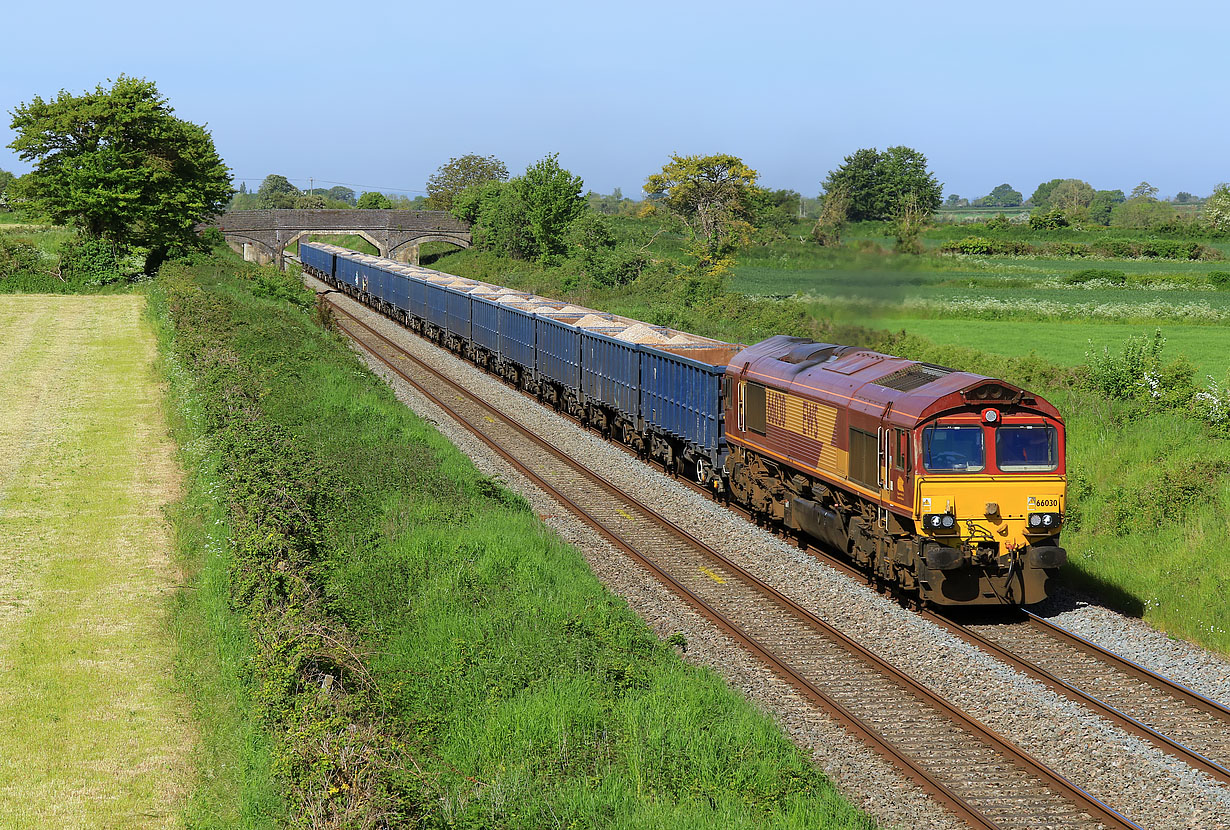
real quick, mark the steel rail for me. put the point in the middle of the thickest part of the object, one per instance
(1074, 793)
(1170, 687)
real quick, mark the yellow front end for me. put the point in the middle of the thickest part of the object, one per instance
(991, 553)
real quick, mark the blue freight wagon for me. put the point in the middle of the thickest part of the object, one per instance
(418, 297)
(681, 394)
(559, 352)
(611, 373)
(398, 288)
(518, 341)
(316, 258)
(347, 270)
(485, 322)
(371, 276)
(437, 305)
(457, 309)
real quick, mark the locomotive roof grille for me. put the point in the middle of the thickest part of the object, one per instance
(912, 377)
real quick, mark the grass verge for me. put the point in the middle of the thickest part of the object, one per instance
(422, 650)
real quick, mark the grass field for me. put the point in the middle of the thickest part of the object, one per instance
(1005, 305)
(1068, 342)
(93, 730)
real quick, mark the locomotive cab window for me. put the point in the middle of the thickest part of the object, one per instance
(952, 449)
(754, 407)
(1028, 448)
(901, 454)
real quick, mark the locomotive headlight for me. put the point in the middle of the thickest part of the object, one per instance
(939, 522)
(1044, 522)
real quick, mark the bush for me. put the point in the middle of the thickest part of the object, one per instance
(17, 259)
(981, 246)
(1048, 220)
(1138, 374)
(1091, 274)
(85, 261)
(1220, 278)
(999, 222)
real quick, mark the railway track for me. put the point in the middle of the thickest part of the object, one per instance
(976, 773)
(1175, 719)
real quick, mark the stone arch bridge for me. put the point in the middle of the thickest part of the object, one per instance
(262, 235)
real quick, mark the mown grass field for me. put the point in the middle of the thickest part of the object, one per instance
(94, 731)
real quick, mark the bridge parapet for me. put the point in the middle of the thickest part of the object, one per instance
(264, 234)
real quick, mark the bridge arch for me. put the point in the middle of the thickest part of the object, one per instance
(340, 232)
(408, 251)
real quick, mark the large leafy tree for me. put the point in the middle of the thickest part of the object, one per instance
(877, 183)
(374, 200)
(276, 193)
(528, 217)
(707, 193)
(118, 164)
(458, 174)
(1071, 194)
(1002, 196)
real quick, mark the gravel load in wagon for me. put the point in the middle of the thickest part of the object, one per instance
(592, 320)
(644, 334)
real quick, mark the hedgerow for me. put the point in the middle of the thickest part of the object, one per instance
(1103, 248)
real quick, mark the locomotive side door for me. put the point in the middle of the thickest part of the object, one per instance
(886, 472)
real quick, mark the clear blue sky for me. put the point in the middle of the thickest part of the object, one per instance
(381, 94)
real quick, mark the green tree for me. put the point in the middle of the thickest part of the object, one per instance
(458, 174)
(6, 180)
(1216, 213)
(402, 202)
(1071, 194)
(1103, 203)
(877, 182)
(340, 194)
(1184, 198)
(276, 193)
(527, 217)
(1002, 196)
(952, 201)
(118, 164)
(374, 200)
(1144, 190)
(1141, 212)
(910, 217)
(706, 193)
(834, 216)
(1042, 195)
(310, 201)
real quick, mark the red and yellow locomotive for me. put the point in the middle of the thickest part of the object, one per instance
(948, 484)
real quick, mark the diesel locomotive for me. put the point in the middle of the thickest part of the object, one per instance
(946, 484)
